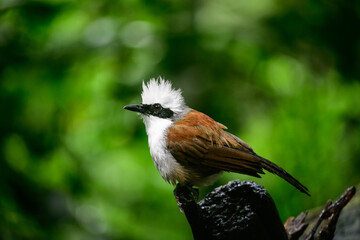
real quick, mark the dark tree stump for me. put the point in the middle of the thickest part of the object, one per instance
(244, 210)
(237, 210)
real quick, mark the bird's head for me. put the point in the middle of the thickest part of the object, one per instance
(160, 100)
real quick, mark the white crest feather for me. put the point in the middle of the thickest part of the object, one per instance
(161, 91)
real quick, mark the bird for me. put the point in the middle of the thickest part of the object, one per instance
(192, 149)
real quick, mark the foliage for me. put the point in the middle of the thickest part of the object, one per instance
(282, 75)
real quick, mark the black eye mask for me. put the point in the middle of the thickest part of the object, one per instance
(158, 111)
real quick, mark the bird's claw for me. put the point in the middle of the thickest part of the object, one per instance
(185, 194)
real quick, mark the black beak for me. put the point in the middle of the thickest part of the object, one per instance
(140, 108)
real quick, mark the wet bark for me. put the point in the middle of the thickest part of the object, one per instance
(245, 210)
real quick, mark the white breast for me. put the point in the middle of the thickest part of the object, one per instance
(156, 129)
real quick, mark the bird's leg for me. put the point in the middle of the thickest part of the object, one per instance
(185, 194)
(194, 191)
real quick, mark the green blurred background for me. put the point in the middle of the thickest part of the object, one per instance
(282, 75)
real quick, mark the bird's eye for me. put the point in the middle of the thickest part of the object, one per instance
(157, 107)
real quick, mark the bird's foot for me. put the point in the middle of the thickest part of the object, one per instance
(185, 195)
(195, 192)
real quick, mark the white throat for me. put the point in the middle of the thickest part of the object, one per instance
(156, 129)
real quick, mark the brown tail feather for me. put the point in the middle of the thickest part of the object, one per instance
(273, 168)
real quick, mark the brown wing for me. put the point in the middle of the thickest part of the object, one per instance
(199, 142)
